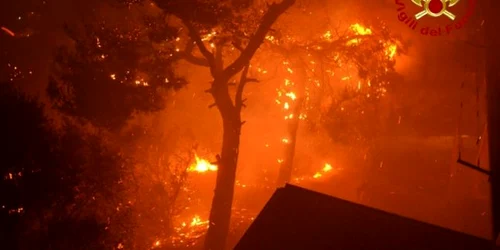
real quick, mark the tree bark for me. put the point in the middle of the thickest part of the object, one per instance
(220, 213)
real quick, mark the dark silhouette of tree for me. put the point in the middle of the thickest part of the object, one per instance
(25, 145)
(51, 196)
(113, 69)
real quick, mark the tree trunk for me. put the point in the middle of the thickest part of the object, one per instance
(300, 78)
(286, 167)
(220, 213)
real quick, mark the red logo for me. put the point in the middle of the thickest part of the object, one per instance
(435, 17)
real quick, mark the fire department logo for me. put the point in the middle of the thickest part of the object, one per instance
(454, 16)
(435, 8)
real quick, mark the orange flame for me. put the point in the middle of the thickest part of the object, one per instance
(202, 166)
(327, 168)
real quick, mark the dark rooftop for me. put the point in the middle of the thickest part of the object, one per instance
(297, 218)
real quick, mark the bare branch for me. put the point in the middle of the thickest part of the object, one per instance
(272, 14)
(187, 55)
(193, 33)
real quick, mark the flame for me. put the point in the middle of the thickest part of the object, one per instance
(360, 30)
(317, 175)
(201, 166)
(291, 95)
(391, 50)
(328, 36)
(326, 169)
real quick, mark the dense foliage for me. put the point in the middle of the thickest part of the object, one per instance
(113, 67)
(59, 187)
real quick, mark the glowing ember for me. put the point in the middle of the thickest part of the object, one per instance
(327, 167)
(317, 175)
(328, 36)
(291, 95)
(202, 166)
(190, 231)
(157, 243)
(8, 31)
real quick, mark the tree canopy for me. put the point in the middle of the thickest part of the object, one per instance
(113, 67)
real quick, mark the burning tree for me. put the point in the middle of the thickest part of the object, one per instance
(113, 69)
(107, 74)
(329, 80)
(213, 27)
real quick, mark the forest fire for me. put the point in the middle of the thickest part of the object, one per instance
(182, 115)
(293, 97)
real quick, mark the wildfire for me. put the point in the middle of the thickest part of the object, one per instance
(202, 166)
(192, 229)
